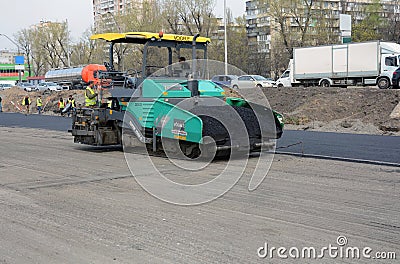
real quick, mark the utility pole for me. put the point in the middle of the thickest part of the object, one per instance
(226, 41)
(68, 55)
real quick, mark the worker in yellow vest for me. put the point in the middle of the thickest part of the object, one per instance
(39, 104)
(61, 106)
(72, 105)
(26, 102)
(90, 95)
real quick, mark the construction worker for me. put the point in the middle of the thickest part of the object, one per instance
(90, 95)
(183, 63)
(61, 106)
(39, 104)
(71, 102)
(27, 102)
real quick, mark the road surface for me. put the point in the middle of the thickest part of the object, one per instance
(350, 146)
(65, 203)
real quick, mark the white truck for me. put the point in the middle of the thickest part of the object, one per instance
(364, 63)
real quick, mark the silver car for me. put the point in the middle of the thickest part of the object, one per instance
(27, 86)
(4, 86)
(224, 80)
(48, 86)
(252, 81)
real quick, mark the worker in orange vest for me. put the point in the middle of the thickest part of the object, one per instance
(61, 106)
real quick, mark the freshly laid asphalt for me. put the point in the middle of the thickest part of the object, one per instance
(347, 146)
(57, 123)
(342, 145)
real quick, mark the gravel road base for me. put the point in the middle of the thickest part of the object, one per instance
(67, 203)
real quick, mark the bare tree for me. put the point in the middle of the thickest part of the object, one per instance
(87, 51)
(189, 16)
(23, 38)
(391, 30)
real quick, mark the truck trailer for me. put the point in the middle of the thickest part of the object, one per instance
(361, 64)
(76, 77)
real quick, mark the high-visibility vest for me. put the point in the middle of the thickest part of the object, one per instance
(23, 101)
(39, 102)
(61, 104)
(88, 101)
(72, 102)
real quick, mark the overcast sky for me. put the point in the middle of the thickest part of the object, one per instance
(17, 15)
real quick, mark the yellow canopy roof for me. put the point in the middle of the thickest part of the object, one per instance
(142, 37)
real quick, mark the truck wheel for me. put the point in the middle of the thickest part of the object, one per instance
(383, 83)
(325, 83)
(280, 85)
(235, 87)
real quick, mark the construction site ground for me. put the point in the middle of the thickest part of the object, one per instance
(63, 202)
(347, 110)
(66, 203)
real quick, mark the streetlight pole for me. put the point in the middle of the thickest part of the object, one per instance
(226, 42)
(68, 55)
(19, 70)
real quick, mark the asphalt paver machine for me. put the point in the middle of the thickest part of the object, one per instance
(173, 107)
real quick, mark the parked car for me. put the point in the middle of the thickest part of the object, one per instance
(4, 86)
(396, 79)
(251, 81)
(224, 80)
(50, 86)
(26, 86)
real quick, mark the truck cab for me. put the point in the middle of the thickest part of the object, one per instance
(287, 78)
(389, 64)
(284, 80)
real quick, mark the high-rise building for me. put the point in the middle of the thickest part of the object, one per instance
(104, 11)
(262, 27)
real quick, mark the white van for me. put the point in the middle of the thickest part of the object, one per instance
(284, 80)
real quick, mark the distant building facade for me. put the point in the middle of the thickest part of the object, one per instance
(7, 57)
(104, 11)
(261, 27)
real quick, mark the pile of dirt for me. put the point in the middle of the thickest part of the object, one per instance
(12, 99)
(360, 110)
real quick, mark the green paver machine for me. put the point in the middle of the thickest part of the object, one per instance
(175, 104)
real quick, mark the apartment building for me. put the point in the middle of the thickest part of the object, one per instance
(8, 57)
(262, 26)
(104, 12)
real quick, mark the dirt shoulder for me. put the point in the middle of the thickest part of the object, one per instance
(351, 110)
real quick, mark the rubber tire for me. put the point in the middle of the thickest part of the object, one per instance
(280, 85)
(383, 83)
(259, 86)
(235, 87)
(325, 83)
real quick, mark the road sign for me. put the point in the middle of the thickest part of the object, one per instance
(19, 59)
(346, 40)
(20, 67)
